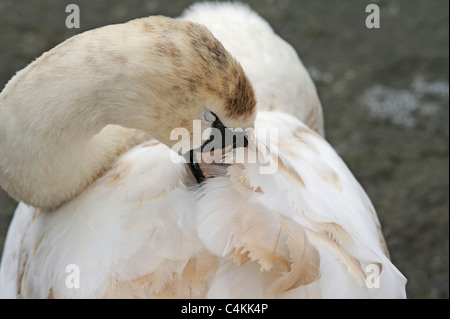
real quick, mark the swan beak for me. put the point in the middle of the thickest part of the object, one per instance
(195, 167)
(194, 157)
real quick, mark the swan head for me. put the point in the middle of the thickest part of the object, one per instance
(199, 84)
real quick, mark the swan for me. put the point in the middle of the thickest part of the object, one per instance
(84, 138)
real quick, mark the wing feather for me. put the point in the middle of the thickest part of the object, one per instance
(329, 203)
(311, 206)
(137, 219)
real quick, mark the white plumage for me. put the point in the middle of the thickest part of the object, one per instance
(143, 230)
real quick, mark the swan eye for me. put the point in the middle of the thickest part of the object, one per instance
(209, 117)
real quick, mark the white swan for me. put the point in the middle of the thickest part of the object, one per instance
(135, 224)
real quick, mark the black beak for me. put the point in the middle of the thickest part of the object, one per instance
(219, 139)
(222, 136)
(195, 168)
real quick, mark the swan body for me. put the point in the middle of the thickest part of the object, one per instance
(143, 229)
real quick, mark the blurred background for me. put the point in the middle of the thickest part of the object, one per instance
(384, 92)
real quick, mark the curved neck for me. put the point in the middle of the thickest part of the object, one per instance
(53, 113)
(152, 75)
(48, 155)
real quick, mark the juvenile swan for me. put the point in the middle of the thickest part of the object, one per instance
(113, 216)
(153, 74)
